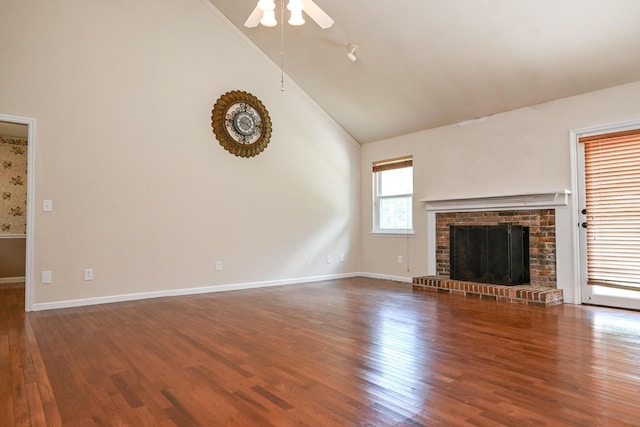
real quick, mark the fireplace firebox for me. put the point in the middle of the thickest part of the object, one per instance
(496, 254)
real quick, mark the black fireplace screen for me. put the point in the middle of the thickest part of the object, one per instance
(497, 254)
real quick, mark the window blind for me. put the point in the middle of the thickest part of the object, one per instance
(397, 163)
(612, 186)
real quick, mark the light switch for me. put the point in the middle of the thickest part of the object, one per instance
(46, 277)
(47, 205)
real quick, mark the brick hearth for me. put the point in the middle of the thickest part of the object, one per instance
(522, 294)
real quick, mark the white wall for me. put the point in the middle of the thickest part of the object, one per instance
(142, 192)
(517, 152)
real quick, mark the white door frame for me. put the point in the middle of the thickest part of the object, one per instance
(31, 163)
(577, 188)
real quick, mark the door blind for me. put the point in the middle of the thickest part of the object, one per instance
(612, 185)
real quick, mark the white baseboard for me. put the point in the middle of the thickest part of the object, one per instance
(387, 277)
(181, 292)
(12, 280)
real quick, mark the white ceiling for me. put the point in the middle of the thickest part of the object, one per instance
(428, 63)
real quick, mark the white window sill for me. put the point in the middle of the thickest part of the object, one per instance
(392, 233)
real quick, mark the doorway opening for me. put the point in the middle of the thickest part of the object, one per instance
(607, 177)
(17, 155)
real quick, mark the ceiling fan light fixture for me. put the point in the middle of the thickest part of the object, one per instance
(352, 52)
(269, 18)
(267, 5)
(296, 18)
(295, 5)
(264, 13)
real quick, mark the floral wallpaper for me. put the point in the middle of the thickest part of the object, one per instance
(13, 185)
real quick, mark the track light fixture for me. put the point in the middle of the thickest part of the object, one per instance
(353, 49)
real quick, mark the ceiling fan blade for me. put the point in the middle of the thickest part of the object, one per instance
(254, 19)
(317, 14)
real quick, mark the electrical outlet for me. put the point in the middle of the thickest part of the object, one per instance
(400, 259)
(88, 274)
(329, 259)
(218, 265)
(341, 257)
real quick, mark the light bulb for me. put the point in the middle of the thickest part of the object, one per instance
(296, 18)
(269, 18)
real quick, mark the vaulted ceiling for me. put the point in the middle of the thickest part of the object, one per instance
(427, 63)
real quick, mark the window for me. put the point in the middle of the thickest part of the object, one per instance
(393, 196)
(612, 187)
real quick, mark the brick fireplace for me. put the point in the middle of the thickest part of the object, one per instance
(536, 211)
(542, 238)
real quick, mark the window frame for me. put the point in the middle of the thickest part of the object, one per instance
(377, 169)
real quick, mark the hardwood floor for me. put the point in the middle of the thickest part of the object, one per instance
(26, 398)
(351, 352)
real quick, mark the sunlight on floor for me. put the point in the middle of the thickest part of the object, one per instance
(615, 292)
(399, 358)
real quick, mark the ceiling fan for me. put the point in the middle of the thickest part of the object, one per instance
(264, 14)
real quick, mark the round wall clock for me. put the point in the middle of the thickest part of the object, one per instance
(241, 123)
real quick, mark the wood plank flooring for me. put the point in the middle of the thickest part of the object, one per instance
(26, 397)
(350, 352)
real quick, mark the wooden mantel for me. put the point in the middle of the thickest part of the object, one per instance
(521, 201)
(541, 199)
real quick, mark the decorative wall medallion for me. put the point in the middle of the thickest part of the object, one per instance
(241, 123)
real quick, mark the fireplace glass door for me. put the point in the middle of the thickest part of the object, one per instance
(496, 254)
